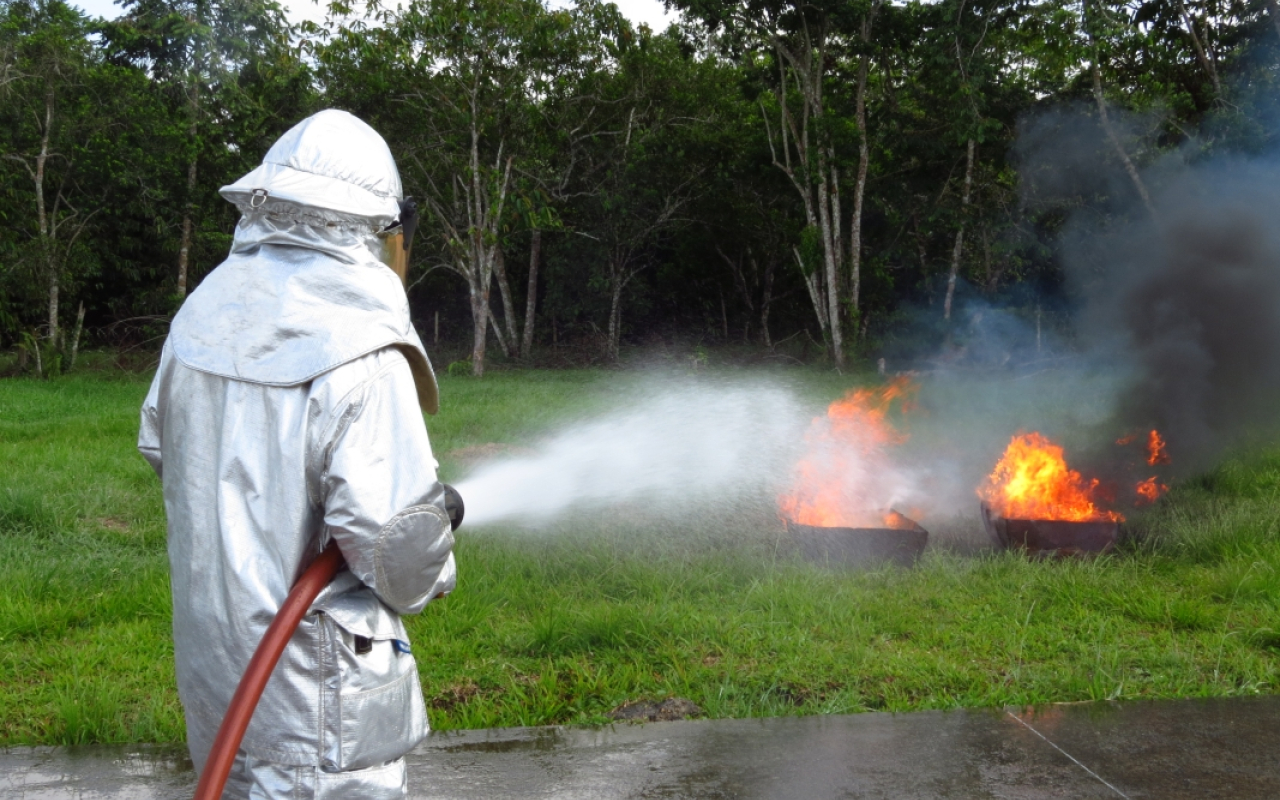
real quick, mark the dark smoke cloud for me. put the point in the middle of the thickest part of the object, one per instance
(1189, 303)
(1176, 320)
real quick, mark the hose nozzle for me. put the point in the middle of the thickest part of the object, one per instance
(453, 506)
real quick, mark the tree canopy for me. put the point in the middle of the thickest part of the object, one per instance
(844, 175)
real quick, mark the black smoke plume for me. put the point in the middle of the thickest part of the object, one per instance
(1188, 302)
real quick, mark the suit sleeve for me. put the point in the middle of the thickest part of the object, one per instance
(382, 502)
(151, 424)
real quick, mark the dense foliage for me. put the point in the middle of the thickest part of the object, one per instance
(842, 173)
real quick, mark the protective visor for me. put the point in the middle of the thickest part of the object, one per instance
(397, 239)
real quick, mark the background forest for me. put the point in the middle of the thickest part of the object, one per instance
(835, 179)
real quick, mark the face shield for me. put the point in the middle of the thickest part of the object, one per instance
(397, 239)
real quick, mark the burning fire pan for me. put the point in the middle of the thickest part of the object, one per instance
(1051, 538)
(860, 547)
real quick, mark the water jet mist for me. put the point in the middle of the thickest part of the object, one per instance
(679, 450)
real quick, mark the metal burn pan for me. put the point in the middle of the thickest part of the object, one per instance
(860, 548)
(1049, 538)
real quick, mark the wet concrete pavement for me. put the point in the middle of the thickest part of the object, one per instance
(1180, 749)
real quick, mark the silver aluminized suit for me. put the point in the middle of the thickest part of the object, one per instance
(286, 412)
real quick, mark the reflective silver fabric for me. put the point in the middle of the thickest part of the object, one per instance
(286, 412)
(331, 160)
(294, 300)
(263, 780)
(257, 479)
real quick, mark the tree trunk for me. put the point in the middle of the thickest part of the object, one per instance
(923, 254)
(188, 213)
(477, 268)
(1201, 54)
(830, 269)
(508, 342)
(615, 317)
(497, 331)
(479, 327)
(480, 259)
(859, 190)
(74, 349)
(724, 316)
(864, 158)
(814, 174)
(994, 271)
(952, 273)
(959, 246)
(812, 283)
(765, 300)
(52, 270)
(531, 296)
(184, 249)
(1115, 140)
(43, 223)
(744, 291)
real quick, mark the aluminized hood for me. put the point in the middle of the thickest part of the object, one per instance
(331, 160)
(292, 301)
(305, 288)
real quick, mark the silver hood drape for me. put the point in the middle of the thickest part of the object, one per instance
(294, 300)
(286, 412)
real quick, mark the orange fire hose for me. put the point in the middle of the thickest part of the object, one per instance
(223, 753)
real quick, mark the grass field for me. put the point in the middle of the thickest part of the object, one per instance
(566, 624)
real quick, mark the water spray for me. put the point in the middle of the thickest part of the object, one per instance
(678, 450)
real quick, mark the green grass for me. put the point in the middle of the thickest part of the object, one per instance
(564, 624)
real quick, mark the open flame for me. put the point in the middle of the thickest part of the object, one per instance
(1149, 490)
(1156, 452)
(844, 479)
(1032, 481)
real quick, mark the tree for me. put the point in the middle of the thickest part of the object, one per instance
(197, 52)
(751, 216)
(49, 114)
(642, 167)
(568, 114)
(452, 79)
(803, 43)
(977, 31)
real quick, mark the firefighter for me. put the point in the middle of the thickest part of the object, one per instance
(287, 413)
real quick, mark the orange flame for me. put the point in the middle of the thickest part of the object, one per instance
(1156, 449)
(1150, 490)
(1032, 481)
(839, 482)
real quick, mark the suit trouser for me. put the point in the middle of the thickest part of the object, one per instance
(254, 779)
